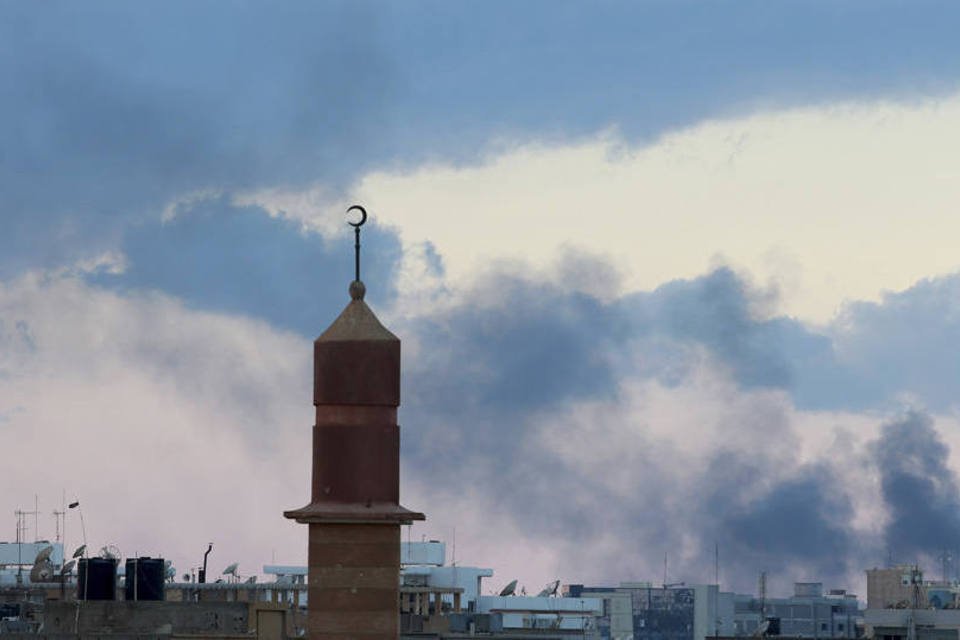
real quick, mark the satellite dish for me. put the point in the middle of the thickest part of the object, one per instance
(762, 629)
(186, 577)
(550, 590)
(44, 555)
(110, 552)
(231, 570)
(171, 573)
(510, 589)
(80, 551)
(41, 572)
(67, 568)
(252, 580)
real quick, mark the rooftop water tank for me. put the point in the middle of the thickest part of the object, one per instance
(97, 579)
(144, 579)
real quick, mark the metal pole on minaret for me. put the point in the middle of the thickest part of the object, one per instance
(354, 514)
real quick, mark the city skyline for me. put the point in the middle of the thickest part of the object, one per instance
(667, 275)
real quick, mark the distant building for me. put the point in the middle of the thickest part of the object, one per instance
(901, 605)
(807, 614)
(640, 611)
(900, 586)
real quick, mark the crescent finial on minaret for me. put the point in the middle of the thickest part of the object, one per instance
(357, 288)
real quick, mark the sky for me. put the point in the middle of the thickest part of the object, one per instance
(671, 277)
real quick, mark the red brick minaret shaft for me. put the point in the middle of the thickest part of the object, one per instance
(354, 512)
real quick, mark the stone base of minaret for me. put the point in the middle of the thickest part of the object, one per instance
(353, 587)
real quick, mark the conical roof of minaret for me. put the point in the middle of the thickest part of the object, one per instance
(356, 322)
(357, 359)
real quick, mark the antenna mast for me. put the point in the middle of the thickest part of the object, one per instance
(762, 588)
(716, 578)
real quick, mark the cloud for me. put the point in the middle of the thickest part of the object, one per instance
(538, 421)
(155, 417)
(110, 115)
(906, 344)
(790, 196)
(217, 256)
(587, 361)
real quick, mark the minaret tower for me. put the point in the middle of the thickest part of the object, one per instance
(354, 513)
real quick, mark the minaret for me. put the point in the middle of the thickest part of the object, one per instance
(354, 513)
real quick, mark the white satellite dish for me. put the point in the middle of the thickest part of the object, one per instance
(510, 589)
(44, 555)
(231, 569)
(67, 568)
(80, 551)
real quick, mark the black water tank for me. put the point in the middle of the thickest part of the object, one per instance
(97, 579)
(144, 579)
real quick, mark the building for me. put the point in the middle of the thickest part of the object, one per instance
(424, 571)
(900, 586)
(641, 611)
(807, 614)
(901, 605)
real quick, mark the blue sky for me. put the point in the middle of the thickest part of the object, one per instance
(684, 236)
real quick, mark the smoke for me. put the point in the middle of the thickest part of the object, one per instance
(562, 434)
(920, 490)
(657, 424)
(660, 423)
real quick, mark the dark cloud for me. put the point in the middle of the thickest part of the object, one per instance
(919, 489)
(906, 344)
(715, 311)
(221, 257)
(110, 110)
